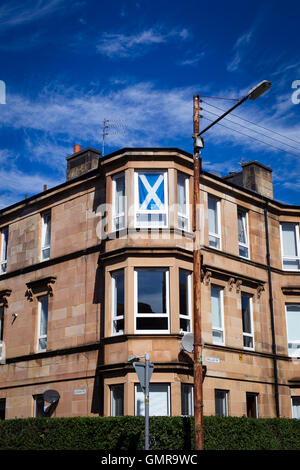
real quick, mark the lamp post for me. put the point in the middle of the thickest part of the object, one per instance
(253, 94)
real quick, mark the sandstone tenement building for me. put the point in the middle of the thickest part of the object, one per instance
(100, 267)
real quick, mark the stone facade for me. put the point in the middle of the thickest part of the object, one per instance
(83, 358)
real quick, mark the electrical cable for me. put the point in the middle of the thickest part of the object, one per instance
(250, 122)
(250, 137)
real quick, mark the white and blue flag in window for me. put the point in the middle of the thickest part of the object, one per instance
(151, 199)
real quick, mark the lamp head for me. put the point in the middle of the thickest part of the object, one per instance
(259, 90)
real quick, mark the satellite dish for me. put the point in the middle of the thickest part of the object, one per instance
(188, 342)
(51, 396)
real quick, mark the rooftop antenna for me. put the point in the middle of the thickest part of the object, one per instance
(111, 127)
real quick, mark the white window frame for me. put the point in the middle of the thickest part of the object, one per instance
(212, 234)
(116, 216)
(189, 300)
(245, 245)
(249, 335)
(136, 201)
(39, 336)
(115, 317)
(185, 217)
(4, 246)
(44, 229)
(222, 329)
(293, 406)
(136, 385)
(112, 413)
(287, 330)
(148, 315)
(290, 258)
(226, 401)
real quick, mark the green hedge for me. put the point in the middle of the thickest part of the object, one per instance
(166, 433)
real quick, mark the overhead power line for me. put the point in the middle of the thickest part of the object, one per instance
(255, 124)
(254, 130)
(253, 138)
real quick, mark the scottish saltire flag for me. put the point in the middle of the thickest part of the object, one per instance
(151, 191)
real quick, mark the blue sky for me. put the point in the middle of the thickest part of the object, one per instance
(67, 65)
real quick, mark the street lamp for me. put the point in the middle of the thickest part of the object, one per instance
(253, 94)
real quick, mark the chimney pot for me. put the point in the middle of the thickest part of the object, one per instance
(77, 148)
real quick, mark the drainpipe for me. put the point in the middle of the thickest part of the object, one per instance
(271, 311)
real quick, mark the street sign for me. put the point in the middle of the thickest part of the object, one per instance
(140, 370)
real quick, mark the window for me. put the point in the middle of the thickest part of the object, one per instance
(4, 245)
(214, 226)
(117, 400)
(151, 199)
(118, 201)
(247, 317)
(217, 311)
(183, 201)
(290, 246)
(293, 329)
(38, 411)
(2, 408)
(42, 322)
(46, 235)
(243, 233)
(1, 330)
(185, 300)
(159, 400)
(118, 302)
(296, 407)
(251, 402)
(152, 300)
(187, 400)
(221, 402)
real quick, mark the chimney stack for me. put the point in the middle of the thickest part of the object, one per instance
(254, 176)
(82, 161)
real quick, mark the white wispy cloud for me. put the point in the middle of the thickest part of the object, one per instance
(122, 45)
(192, 60)
(239, 49)
(16, 13)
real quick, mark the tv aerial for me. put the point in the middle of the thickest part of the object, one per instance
(111, 127)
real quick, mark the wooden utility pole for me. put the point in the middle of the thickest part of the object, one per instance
(198, 372)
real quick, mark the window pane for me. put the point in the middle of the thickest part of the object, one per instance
(213, 215)
(246, 315)
(181, 193)
(216, 307)
(46, 231)
(152, 291)
(183, 292)
(293, 321)
(291, 264)
(43, 315)
(158, 400)
(117, 400)
(151, 323)
(243, 251)
(2, 408)
(296, 407)
(4, 243)
(242, 227)
(221, 402)
(187, 402)
(214, 241)
(248, 342)
(217, 336)
(151, 191)
(1, 322)
(251, 402)
(118, 293)
(289, 241)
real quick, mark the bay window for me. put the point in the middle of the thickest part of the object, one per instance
(159, 400)
(151, 199)
(183, 200)
(118, 302)
(290, 246)
(118, 201)
(185, 300)
(214, 226)
(152, 300)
